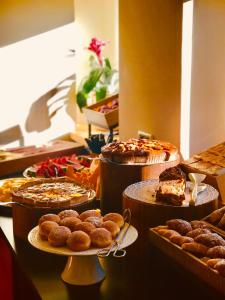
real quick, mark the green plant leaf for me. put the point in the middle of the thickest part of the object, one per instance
(107, 63)
(92, 80)
(81, 100)
(101, 92)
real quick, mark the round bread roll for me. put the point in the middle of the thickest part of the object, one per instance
(115, 217)
(111, 227)
(100, 237)
(58, 236)
(70, 222)
(87, 227)
(68, 213)
(79, 241)
(96, 221)
(49, 217)
(90, 213)
(45, 228)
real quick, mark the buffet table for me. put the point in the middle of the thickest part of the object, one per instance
(152, 276)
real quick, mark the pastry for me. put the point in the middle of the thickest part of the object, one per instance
(179, 225)
(45, 228)
(180, 240)
(111, 227)
(212, 262)
(216, 252)
(58, 236)
(172, 184)
(115, 217)
(85, 226)
(220, 267)
(195, 248)
(194, 233)
(210, 239)
(70, 222)
(96, 221)
(168, 233)
(221, 223)
(215, 216)
(68, 213)
(100, 237)
(139, 151)
(198, 224)
(78, 241)
(90, 213)
(49, 217)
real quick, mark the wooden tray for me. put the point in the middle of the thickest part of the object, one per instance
(58, 148)
(188, 261)
(104, 120)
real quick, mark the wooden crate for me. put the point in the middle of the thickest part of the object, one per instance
(104, 120)
(188, 261)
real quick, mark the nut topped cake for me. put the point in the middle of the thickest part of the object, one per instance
(140, 151)
(172, 184)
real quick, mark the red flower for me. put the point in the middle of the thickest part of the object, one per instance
(96, 46)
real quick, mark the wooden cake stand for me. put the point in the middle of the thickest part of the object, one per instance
(82, 268)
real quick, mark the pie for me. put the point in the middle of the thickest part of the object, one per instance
(58, 192)
(139, 151)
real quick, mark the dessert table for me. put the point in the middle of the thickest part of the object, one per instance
(152, 276)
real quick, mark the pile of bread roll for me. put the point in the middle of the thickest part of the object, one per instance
(80, 231)
(197, 238)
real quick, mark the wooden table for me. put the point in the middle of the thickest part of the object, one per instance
(152, 276)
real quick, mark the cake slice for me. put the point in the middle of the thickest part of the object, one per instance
(172, 184)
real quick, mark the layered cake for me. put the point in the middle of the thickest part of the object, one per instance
(140, 151)
(50, 193)
(172, 184)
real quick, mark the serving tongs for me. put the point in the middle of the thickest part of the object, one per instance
(118, 252)
(196, 179)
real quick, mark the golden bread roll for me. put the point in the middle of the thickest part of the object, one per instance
(215, 216)
(195, 248)
(49, 217)
(168, 233)
(180, 240)
(194, 233)
(96, 221)
(100, 237)
(68, 213)
(90, 213)
(79, 241)
(221, 223)
(210, 239)
(58, 236)
(70, 222)
(45, 228)
(111, 227)
(212, 262)
(199, 224)
(87, 227)
(179, 225)
(220, 267)
(115, 217)
(216, 252)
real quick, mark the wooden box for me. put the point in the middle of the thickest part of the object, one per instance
(104, 120)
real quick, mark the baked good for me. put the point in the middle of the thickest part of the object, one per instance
(115, 217)
(172, 184)
(96, 221)
(221, 223)
(111, 227)
(212, 262)
(78, 241)
(179, 225)
(220, 267)
(85, 226)
(210, 239)
(68, 213)
(216, 252)
(199, 224)
(168, 233)
(70, 222)
(45, 228)
(195, 248)
(53, 192)
(139, 151)
(90, 213)
(194, 233)
(215, 216)
(100, 237)
(49, 217)
(58, 236)
(180, 240)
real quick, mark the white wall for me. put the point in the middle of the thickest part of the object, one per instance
(208, 75)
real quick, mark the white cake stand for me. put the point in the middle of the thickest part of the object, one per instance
(82, 268)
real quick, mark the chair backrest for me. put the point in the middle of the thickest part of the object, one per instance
(10, 135)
